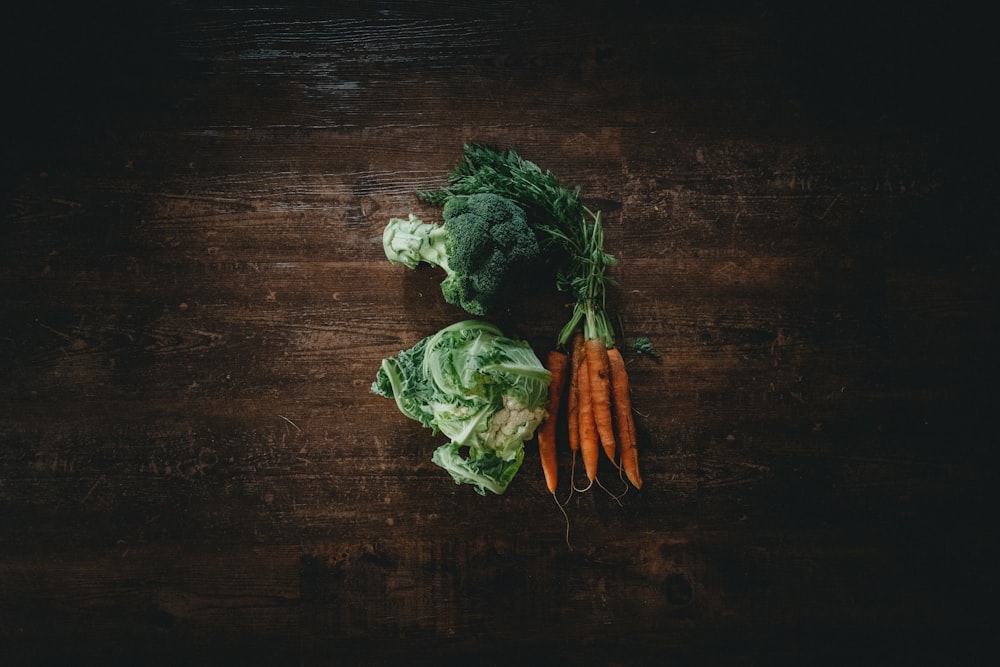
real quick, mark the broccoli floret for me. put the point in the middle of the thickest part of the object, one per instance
(483, 245)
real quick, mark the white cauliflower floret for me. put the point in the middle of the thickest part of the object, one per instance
(513, 424)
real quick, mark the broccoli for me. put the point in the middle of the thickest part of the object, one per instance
(484, 245)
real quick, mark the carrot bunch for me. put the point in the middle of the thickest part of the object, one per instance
(590, 376)
(590, 380)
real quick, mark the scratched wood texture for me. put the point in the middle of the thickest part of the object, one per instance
(195, 302)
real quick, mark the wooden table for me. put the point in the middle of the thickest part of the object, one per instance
(195, 302)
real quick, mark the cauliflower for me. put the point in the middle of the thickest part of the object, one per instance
(485, 392)
(514, 421)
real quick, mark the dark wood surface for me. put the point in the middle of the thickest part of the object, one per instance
(195, 302)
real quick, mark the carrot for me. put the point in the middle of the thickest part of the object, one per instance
(600, 392)
(589, 441)
(625, 424)
(558, 365)
(573, 400)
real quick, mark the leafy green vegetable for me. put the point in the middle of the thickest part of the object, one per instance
(485, 246)
(569, 233)
(552, 209)
(487, 393)
(644, 346)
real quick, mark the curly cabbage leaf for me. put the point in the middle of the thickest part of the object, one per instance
(487, 393)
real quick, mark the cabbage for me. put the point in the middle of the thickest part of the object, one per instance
(487, 393)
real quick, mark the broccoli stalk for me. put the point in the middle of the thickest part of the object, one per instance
(412, 241)
(484, 245)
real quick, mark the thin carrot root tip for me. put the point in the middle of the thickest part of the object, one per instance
(565, 518)
(616, 498)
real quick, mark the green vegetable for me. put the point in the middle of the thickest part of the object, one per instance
(644, 346)
(487, 393)
(571, 234)
(551, 208)
(485, 247)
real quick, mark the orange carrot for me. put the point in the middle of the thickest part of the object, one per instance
(625, 424)
(600, 392)
(589, 441)
(573, 400)
(558, 365)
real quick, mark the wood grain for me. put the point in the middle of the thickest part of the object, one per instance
(195, 303)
